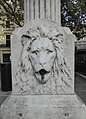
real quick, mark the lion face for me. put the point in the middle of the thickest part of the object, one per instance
(42, 57)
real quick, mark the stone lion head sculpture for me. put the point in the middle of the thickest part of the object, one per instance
(42, 66)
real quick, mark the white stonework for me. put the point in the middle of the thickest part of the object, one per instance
(40, 66)
(35, 9)
(43, 107)
(42, 80)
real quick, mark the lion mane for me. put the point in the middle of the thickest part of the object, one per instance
(60, 82)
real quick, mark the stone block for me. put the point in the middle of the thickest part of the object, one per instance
(43, 107)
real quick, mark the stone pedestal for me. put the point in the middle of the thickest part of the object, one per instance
(43, 107)
(56, 98)
(42, 67)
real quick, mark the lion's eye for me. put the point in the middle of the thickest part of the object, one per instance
(28, 49)
(49, 51)
(35, 52)
(33, 38)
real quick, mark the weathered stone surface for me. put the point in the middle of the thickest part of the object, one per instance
(36, 9)
(69, 49)
(42, 67)
(43, 83)
(37, 94)
(43, 107)
(42, 46)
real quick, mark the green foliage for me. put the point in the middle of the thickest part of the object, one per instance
(74, 16)
(13, 10)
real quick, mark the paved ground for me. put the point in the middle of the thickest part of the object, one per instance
(80, 88)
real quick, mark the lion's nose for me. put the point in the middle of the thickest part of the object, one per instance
(42, 63)
(42, 59)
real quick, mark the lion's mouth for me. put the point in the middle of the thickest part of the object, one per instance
(43, 75)
(42, 72)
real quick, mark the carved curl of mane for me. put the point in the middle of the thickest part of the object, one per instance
(60, 82)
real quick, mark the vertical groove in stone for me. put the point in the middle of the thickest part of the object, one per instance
(55, 10)
(29, 10)
(58, 15)
(36, 9)
(48, 9)
(59, 11)
(25, 11)
(32, 11)
(41, 8)
(44, 8)
(52, 10)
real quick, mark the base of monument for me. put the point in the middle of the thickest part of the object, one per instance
(43, 107)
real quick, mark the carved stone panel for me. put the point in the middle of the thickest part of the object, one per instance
(41, 65)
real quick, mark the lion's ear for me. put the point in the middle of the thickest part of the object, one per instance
(60, 37)
(24, 39)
